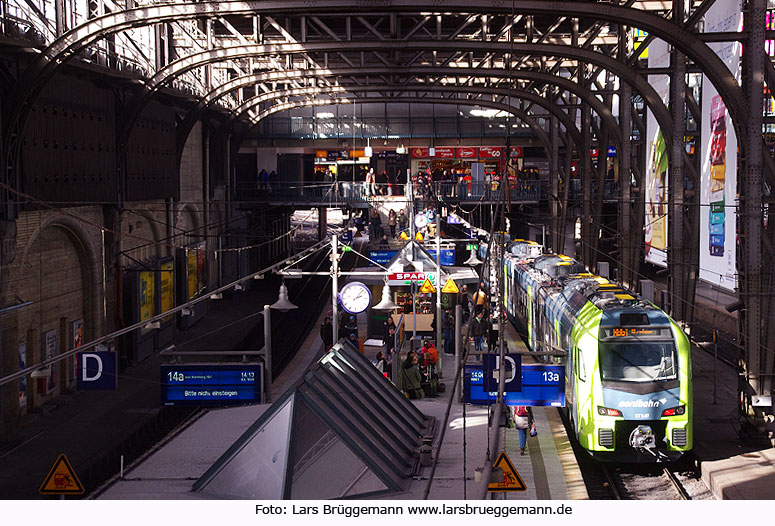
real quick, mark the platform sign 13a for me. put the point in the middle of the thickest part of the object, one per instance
(513, 372)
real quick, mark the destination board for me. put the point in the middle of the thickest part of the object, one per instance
(542, 385)
(210, 384)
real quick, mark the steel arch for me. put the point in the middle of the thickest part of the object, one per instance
(588, 96)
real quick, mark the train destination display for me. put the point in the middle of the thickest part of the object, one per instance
(210, 384)
(542, 385)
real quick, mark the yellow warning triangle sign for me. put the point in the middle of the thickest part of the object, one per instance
(427, 287)
(404, 236)
(450, 287)
(511, 479)
(418, 236)
(61, 480)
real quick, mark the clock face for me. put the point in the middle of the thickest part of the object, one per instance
(355, 297)
(420, 221)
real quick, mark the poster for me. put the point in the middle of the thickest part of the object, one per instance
(23, 380)
(146, 296)
(192, 264)
(655, 226)
(166, 288)
(49, 351)
(718, 178)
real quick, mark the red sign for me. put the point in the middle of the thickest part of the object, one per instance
(490, 152)
(400, 278)
(419, 153)
(445, 152)
(593, 152)
(466, 153)
(516, 151)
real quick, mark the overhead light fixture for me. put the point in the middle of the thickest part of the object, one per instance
(324, 115)
(472, 260)
(386, 303)
(401, 149)
(217, 296)
(152, 325)
(283, 303)
(239, 286)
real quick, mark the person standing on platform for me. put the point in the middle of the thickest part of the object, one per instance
(465, 302)
(523, 418)
(326, 333)
(392, 220)
(492, 333)
(479, 331)
(447, 330)
(411, 379)
(480, 299)
(402, 220)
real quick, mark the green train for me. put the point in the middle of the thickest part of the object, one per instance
(628, 366)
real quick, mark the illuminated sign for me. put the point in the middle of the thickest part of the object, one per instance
(542, 385)
(624, 332)
(210, 384)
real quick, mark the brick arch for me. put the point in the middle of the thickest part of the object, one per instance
(90, 258)
(188, 225)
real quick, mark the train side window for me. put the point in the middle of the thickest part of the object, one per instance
(581, 370)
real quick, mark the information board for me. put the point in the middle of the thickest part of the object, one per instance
(210, 384)
(542, 385)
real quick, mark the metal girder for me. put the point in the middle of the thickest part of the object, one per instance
(185, 64)
(94, 29)
(562, 116)
(280, 76)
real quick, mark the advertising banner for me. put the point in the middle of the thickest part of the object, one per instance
(466, 153)
(146, 296)
(191, 264)
(76, 337)
(718, 179)
(490, 152)
(655, 226)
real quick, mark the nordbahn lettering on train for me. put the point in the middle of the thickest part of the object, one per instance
(628, 370)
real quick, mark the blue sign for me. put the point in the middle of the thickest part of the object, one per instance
(542, 385)
(347, 236)
(210, 384)
(97, 370)
(447, 256)
(382, 257)
(491, 364)
(612, 151)
(452, 219)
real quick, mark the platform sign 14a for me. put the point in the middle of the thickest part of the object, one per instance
(210, 384)
(542, 385)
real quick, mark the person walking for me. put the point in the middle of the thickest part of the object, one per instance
(478, 331)
(523, 419)
(480, 299)
(492, 332)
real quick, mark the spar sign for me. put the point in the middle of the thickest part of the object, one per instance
(407, 278)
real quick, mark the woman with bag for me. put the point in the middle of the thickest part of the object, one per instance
(523, 420)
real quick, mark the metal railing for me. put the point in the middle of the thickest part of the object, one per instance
(360, 192)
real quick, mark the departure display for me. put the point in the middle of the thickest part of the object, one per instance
(625, 332)
(542, 385)
(210, 384)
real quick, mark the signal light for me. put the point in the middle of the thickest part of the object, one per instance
(607, 411)
(673, 411)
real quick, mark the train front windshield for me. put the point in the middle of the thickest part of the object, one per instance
(637, 361)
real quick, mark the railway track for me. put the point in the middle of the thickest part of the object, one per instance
(644, 484)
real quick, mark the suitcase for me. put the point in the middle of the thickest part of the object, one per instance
(430, 388)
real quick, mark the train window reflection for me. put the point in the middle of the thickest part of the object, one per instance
(637, 362)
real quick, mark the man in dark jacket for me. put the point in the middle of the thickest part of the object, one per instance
(478, 331)
(327, 333)
(447, 329)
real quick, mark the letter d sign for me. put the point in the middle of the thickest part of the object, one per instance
(97, 371)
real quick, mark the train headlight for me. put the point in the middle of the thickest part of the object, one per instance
(674, 411)
(607, 411)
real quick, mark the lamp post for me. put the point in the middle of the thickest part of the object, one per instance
(335, 286)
